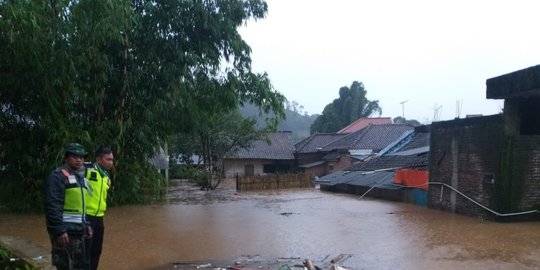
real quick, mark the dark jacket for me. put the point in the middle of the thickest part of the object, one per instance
(54, 204)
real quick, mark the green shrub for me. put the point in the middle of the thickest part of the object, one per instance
(20, 195)
(191, 172)
(137, 183)
(182, 171)
(9, 262)
(202, 178)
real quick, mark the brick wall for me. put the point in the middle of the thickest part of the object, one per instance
(465, 154)
(475, 157)
(343, 162)
(526, 169)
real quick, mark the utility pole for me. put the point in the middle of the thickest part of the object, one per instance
(403, 108)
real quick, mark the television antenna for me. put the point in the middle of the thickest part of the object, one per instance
(436, 112)
(459, 105)
(403, 108)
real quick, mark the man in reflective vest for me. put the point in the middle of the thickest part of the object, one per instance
(65, 196)
(99, 182)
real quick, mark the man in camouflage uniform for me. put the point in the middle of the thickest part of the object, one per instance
(65, 195)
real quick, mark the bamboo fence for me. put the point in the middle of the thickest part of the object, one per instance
(274, 181)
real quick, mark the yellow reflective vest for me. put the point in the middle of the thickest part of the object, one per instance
(74, 200)
(98, 180)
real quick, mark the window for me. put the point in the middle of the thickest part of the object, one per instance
(276, 168)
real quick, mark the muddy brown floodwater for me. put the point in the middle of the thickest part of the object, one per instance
(223, 226)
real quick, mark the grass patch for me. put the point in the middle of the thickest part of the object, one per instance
(8, 261)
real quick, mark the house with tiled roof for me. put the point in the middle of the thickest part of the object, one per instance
(364, 122)
(323, 153)
(274, 155)
(372, 137)
(309, 152)
(362, 144)
(405, 159)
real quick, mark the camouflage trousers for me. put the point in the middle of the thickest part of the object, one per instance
(74, 257)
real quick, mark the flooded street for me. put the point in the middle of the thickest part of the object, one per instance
(305, 223)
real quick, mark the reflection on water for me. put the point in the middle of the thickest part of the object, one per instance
(307, 223)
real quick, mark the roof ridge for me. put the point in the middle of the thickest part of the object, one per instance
(361, 119)
(342, 136)
(304, 142)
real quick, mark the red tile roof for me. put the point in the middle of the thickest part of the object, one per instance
(364, 122)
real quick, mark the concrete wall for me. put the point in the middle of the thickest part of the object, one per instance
(318, 170)
(465, 154)
(232, 167)
(32, 254)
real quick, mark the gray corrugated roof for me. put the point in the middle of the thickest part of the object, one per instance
(316, 141)
(383, 179)
(419, 139)
(312, 164)
(384, 162)
(332, 156)
(281, 147)
(413, 151)
(374, 137)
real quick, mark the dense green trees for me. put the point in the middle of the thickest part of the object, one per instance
(296, 120)
(211, 140)
(351, 105)
(411, 122)
(125, 73)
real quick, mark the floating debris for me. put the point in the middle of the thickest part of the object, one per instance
(287, 259)
(206, 265)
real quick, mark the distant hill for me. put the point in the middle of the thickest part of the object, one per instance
(295, 122)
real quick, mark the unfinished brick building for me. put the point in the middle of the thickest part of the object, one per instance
(493, 160)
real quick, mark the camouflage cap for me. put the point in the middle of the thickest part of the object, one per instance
(75, 149)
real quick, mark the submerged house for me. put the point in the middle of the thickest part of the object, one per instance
(361, 145)
(489, 166)
(323, 153)
(310, 155)
(262, 157)
(398, 172)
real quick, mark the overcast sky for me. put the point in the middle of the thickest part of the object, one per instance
(432, 54)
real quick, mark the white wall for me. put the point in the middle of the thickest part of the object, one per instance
(232, 167)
